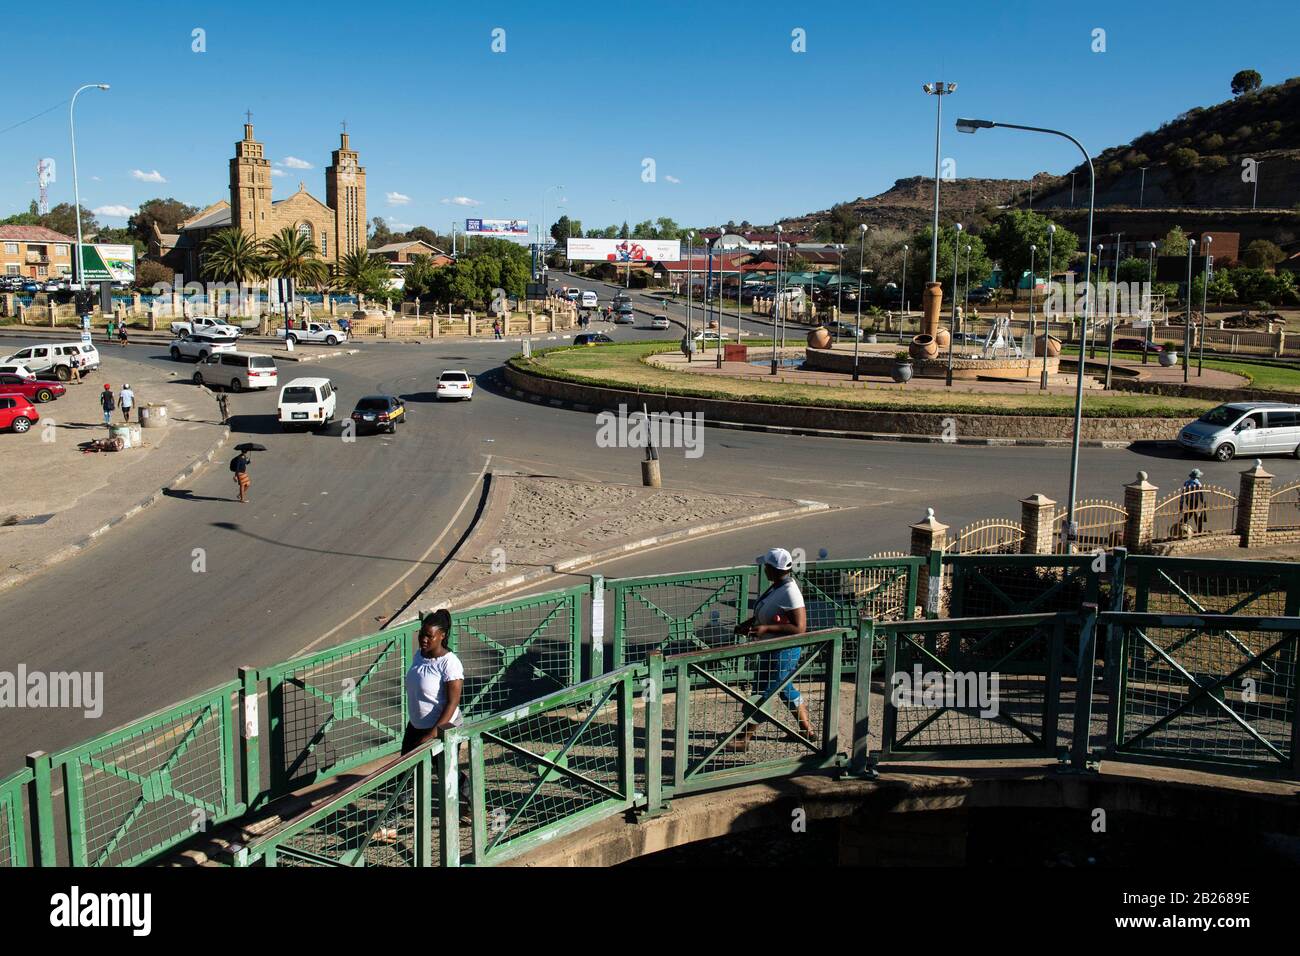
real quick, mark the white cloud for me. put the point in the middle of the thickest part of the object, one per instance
(96, 179)
(293, 162)
(461, 201)
(672, 179)
(114, 212)
(278, 172)
(397, 199)
(142, 176)
(401, 225)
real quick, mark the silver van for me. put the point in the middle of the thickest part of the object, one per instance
(1244, 429)
(237, 371)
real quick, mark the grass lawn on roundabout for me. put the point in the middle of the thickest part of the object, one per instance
(622, 365)
(1271, 378)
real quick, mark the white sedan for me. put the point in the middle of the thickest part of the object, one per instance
(660, 322)
(710, 336)
(455, 383)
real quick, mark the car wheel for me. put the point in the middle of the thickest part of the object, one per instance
(236, 385)
(44, 395)
(176, 354)
(1296, 453)
(285, 427)
(197, 378)
(1225, 451)
(21, 424)
(332, 340)
(63, 373)
(291, 338)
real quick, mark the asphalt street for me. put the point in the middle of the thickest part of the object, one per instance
(339, 535)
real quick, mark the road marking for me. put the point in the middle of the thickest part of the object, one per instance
(475, 488)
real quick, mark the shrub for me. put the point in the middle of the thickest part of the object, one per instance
(1184, 158)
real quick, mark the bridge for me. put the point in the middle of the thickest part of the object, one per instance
(579, 749)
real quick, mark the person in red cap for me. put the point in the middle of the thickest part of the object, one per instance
(107, 402)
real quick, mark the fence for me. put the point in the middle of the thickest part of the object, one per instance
(1198, 664)
(1284, 508)
(1099, 525)
(989, 536)
(1208, 510)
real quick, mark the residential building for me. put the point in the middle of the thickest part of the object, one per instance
(35, 252)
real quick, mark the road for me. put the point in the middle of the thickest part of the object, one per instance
(339, 535)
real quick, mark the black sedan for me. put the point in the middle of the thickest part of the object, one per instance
(378, 413)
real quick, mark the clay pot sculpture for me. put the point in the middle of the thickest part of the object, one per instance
(1053, 346)
(932, 303)
(819, 338)
(923, 347)
(942, 338)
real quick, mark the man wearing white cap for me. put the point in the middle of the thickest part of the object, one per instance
(778, 612)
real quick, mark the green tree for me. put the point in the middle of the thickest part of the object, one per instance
(361, 273)
(1009, 238)
(1262, 254)
(666, 228)
(150, 272)
(232, 255)
(1174, 243)
(1246, 81)
(291, 255)
(918, 261)
(1184, 158)
(168, 214)
(1133, 269)
(380, 234)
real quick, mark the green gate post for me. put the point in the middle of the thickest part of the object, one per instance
(41, 801)
(478, 800)
(597, 628)
(654, 733)
(860, 763)
(449, 805)
(423, 797)
(250, 751)
(1112, 635)
(1085, 668)
(934, 594)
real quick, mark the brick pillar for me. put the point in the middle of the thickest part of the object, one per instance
(135, 303)
(1252, 505)
(1037, 515)
(927, 535)
(550, 321)
(10, 301)
(1140, 503)
(472, 329)
(532, 322)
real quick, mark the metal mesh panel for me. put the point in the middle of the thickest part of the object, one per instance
(13, 832)
(549, 766)
(338, 709)
(679, 614)
(1208, 587)
(840, 594)
(1015, 586)
(146, 788)
(1209, 694)
(516, 652)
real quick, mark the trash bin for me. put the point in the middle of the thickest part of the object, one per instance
(153, 416)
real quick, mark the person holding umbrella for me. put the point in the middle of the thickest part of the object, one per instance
(239, 466)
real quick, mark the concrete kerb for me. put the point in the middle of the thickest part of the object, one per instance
(71, 550)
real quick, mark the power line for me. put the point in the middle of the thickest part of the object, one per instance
(30, 118)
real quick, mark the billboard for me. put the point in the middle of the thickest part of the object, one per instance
(624, 250)
(497, 228)
(107, 263)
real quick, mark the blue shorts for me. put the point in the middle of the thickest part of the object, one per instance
(776, 666)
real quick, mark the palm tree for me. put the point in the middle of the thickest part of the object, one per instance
(292, 255)
(232, 255)
(362, 274)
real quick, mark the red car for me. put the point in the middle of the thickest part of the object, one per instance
(17, 413)
(31, 389)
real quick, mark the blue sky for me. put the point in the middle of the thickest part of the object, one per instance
(584, 92)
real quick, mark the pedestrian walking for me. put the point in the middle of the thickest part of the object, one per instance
(1193, 502)
(126, 399)
(222, 400)
(121, 334)
(111, 327)
(74, 366)
(778, 612)
(239, 466)
(107, 402)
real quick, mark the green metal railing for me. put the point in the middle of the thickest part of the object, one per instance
(986, 585)
(843, 593)
(13, 818)
(1200, 586)
(137, 791)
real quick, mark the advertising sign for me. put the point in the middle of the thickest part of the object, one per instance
(498, 228)
(624, 250)
(107, 263)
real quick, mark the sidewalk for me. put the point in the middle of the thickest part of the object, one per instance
(59, 500)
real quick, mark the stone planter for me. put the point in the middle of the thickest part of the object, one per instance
(819, 338)
(1169, 358)
(1053, 346)
(901, 372)
(871, 339)
(923, 347)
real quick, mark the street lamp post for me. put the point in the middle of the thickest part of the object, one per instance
(857, 337)
(970, 126)
(541, 232)
(952, 332)
(1033, 287)
(1254, 194)
(1047, 312)
(938, 91)
(77, 265)
(1187, 330)
(1092, 342)
(902, 295)
(1114, 310)
(1205, 293)
(965, 315)
(690, 282)
(1143, 187)
(1151, 321)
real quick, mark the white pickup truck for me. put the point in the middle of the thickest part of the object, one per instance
(205, 324)
(313, 332)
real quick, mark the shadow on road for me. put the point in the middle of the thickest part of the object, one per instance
(232, 526)
(184, 494)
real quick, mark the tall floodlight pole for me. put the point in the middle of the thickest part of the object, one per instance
(1205, 293)
(839, 290)
(965, 315)
(902, 295)
(1187, 330)
(1047, 312)
(690, 282)
(1142, 188)
(77, 267)
(862, 253)
(970, 126)
(952, 332)
(938, 91)
(1092, 344)
(1071, 190)
(1254, 194)
(1033, 287)
(1114, 310)
(1151, 320)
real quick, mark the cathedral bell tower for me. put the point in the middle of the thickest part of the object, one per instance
(345, 194)
(250, 185)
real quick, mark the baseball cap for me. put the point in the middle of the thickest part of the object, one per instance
(778, 558)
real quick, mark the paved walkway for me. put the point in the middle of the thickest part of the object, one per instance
(63, 498)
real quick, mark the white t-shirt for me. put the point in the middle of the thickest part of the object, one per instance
(783, 597)
(426, 688)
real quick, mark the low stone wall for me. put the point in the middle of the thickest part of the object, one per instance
(1207, 392)
(1196, 545)
(964, 369)
(882, 421)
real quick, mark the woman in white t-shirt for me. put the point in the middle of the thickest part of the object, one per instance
(778, 612)
(434, 683)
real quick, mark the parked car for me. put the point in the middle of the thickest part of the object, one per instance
(1244, 428)
(55, 358)
(30, 388)
(207, 324)
(843, 329)
(321, 332)
(16, 368)
(455, 383)
(379, 413)
(572, 294)
(981, 296)
(1137, 345)
(237, 371)
(199, 345)
(660, 322)
(17, 413)
(589, 300)
(624, 315)
(309, 402)
(707, 336)
(592, 338)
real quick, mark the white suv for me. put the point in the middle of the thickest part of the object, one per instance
(55, 358)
